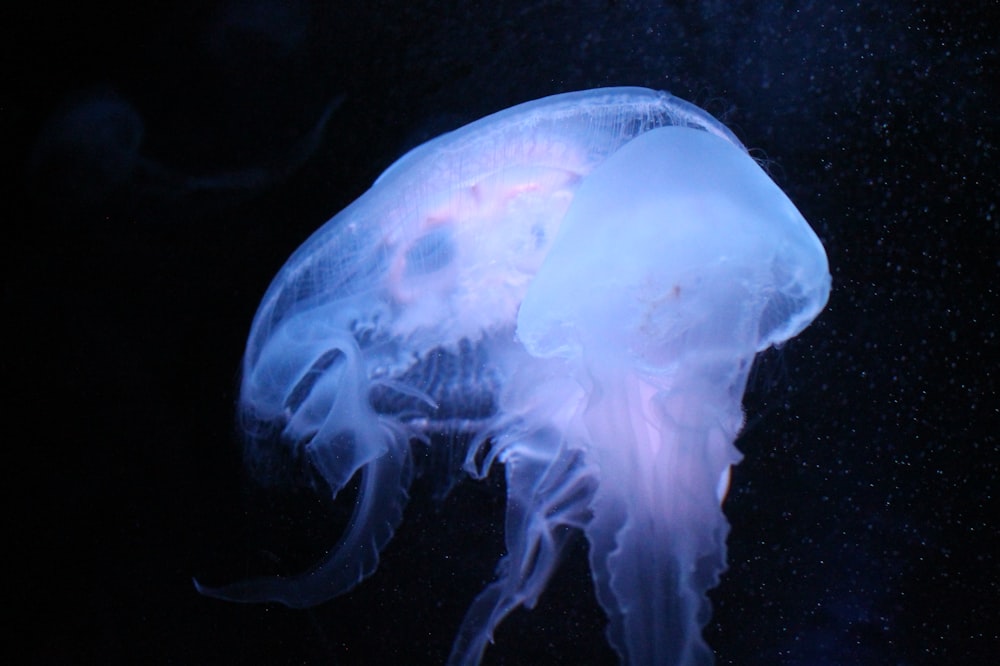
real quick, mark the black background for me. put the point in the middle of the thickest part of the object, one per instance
(165, 162)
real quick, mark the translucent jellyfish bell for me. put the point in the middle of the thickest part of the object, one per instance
(574, 288)
(673, 247)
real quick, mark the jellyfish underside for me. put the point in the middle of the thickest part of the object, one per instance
(581, 283)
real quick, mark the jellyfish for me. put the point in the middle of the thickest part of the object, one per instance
(574, 288)
(89, 155)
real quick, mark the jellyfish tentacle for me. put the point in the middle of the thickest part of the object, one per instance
(382, 495)
(546, 498)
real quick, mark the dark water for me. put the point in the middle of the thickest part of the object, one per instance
(167, 158)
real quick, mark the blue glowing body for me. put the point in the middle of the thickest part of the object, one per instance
(579, 284)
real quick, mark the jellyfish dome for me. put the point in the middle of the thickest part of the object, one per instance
(574, 288)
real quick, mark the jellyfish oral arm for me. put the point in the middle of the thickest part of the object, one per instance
(657, 531)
